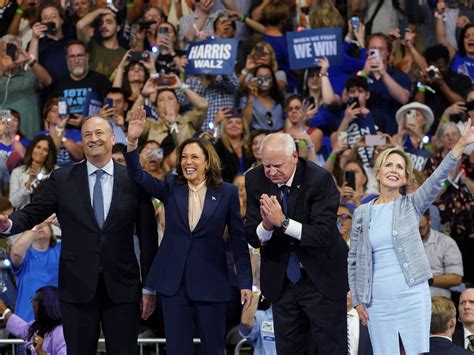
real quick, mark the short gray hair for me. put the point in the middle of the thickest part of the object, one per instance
(285, 139)
(442, 129)
(108, 122)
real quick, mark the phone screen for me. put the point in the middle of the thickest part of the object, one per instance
(62, 107)
(11, 51)
(374, 139)
(349, 178)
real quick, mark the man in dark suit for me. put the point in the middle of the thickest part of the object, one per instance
(443, 323)
(464, 333)
(98, 208)
(291, 216)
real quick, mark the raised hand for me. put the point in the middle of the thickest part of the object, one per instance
(136, 125)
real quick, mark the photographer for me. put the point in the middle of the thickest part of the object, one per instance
(48, 40)
(389, 88)
(263, 105)
(39, 163)
(66, 140)
(133, 72)
(19, 82)
(146, 29)
(173, 127)
(439, 86)
(357, 119)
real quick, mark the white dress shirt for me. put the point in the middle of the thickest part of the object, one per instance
(107, 183)
(294, 228)
(353, 331)
(466, 337)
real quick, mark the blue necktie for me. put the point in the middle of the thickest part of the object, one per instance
(98, 199)
(293, 271)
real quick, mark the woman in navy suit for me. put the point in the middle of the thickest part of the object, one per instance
(190, 270)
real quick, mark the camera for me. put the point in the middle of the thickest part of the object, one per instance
(432, 71)
(259, 81)
(163, 79)
(51, 27)
(137, 56)
(144, 24)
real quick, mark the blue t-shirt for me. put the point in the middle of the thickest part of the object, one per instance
(382, 105)
(39, 269)
(418, 155)
(262, 334)
(358, 128)
(64, 158)
(463, 65)
(280, 46)
(262, 118)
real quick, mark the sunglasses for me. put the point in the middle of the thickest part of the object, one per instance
(344, 217)
(268, 116)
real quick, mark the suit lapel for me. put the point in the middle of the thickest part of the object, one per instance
(211, 201)
(79, 175)
(119, 181)
(181, 194)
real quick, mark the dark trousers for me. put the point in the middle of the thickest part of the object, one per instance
(82, 321)
(180, 312)
(306, 322)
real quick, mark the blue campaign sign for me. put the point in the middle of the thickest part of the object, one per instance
(307, 46)
(213, 56)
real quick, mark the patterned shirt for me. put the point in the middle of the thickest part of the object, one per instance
(220, 93)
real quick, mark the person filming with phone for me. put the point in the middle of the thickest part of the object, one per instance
(389, 88)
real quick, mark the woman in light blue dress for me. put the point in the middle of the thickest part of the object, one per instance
(387, 265)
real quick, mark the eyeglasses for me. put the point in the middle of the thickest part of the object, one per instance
(76, 56)
(294, 108)
(344, 217)
(50, 17)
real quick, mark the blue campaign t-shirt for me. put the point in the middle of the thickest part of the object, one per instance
(463, 65)
(381, 103)
(418, 155)
(358, 128)
(39, 269)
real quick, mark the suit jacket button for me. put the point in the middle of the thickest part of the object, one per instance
(405, 265)
(395, 233)
(400, 250)
(292, 243)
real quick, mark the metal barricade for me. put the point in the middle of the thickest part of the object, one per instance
(141, 342)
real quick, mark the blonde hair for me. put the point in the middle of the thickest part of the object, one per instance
(399, 50)
(225, 138)
(269, 48)
(382, 158)
(325, 14)
(442, 311)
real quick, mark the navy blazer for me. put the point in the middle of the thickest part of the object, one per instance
(442, 346)
(365, 346)
(198, 256)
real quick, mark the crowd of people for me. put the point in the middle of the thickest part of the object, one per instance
(326, 162)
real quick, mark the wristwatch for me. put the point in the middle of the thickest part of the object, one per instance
(285, 223)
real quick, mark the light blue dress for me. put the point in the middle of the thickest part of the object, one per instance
(395, 308)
